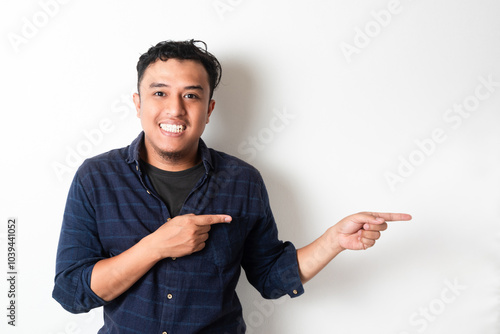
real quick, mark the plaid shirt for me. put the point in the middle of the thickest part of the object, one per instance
(112, 205)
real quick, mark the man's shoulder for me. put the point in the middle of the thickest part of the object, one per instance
(115, 158)
(112, 160)
(224, 162)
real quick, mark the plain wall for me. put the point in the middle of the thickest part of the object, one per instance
(344, 106)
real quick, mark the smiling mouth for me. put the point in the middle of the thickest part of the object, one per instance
(173, 128)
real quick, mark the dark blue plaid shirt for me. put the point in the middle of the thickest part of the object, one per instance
(112, 205)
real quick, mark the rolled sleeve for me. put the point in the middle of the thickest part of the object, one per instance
(287, 273)
(270, 264)
(78, 251)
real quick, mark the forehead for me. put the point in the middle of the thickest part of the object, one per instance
(176, 72)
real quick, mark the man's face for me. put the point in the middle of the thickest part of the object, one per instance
(174, 106)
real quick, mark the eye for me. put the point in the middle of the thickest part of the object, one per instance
(159, 94)
(191, 96)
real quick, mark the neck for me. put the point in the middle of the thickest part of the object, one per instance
(170, 161)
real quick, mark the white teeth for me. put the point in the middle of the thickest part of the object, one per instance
(172, 128)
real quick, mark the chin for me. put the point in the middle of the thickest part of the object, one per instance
(171, 155)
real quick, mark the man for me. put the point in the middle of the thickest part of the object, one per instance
(157, 232)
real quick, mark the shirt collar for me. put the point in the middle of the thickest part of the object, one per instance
(135, 146)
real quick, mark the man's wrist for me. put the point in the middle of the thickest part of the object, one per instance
(332, 241)
(148, 243)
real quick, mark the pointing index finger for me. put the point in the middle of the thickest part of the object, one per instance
(203, 220)
(387, 216)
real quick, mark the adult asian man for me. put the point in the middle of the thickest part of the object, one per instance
(157, 232)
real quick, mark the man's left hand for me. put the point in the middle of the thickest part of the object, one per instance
(361, 230)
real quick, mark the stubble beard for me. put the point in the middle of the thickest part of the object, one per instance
(171, 157)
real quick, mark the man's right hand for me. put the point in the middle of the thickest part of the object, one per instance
(184, 235)
(180, 236)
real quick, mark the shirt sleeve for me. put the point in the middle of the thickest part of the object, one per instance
(78, 251)
(270, 264)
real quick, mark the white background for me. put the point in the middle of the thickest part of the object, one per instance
(68, 68)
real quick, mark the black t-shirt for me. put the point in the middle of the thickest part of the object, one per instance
(173, 187)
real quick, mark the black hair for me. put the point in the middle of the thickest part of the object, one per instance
(183, 50)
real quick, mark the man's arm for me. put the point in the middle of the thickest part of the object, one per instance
(180, 236)
(87, 278)
(355, 232)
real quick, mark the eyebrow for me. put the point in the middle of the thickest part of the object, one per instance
(161, 84)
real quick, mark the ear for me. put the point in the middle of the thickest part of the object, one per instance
(211, 106)
(137, 103)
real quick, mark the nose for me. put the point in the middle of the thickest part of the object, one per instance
(175, 106)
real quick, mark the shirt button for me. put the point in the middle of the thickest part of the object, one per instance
(164, 333)
(148, 191)
(137, 167)
(174, 258)
(295, 292)
(169, 296)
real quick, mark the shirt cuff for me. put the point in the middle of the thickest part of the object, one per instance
(92, 298)
(289, 276)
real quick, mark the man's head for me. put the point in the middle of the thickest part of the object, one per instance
(181, 50)
(175, 84)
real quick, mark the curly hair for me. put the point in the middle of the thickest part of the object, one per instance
(183, 50)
